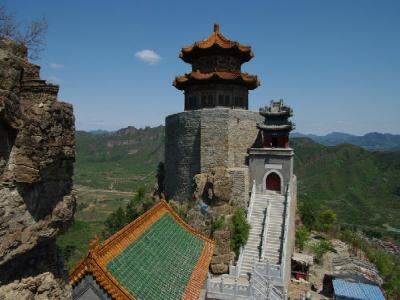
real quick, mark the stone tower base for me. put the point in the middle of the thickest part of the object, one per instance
(198, 141)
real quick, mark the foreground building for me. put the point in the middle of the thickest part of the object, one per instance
(217, 131)
(157, 256)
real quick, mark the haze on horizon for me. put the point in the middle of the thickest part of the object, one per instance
(336, 63)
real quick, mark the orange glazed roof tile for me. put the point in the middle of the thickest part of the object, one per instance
(216, 41)
(250, 81)
(126, 265)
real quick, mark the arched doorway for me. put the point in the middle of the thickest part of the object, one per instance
(273, 182)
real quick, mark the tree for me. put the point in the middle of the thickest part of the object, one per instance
(114, 222)
(132, 210)
(326, 220)
(31, 36)
(302, 237)
(307, 213)
(160, 178)
(240, 230)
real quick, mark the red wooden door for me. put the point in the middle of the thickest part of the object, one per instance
(273, 182)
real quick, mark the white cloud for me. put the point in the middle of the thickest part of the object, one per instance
(56, 66)
(148, 56)
(54, 80)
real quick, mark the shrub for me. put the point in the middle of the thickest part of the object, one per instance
(307, 213)
(239, 231)
(320, 249)
(302, 237)
(326, 220)
(217, 224)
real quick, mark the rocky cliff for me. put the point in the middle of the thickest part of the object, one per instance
(36, 167)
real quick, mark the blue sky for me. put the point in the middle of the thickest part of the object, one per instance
(337, 63)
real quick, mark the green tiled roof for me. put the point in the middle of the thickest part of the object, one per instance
(147, 268)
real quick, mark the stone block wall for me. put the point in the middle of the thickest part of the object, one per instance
(240, 186)
(198, 141)
(214, 139)
(182, 152)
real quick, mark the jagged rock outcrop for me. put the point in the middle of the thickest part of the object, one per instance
(222, 255)
(214, 187)
(36, 167)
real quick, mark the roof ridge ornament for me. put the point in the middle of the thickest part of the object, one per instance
(216, 27)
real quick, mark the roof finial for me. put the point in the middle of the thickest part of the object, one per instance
(216, 27)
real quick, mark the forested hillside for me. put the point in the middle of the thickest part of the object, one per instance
(122, 160)
(362, 186)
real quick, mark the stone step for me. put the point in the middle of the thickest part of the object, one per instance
(252, 245)
(272, 249)
(272, 258)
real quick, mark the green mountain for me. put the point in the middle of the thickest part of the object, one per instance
(362, 186)
(121, 160)
(370, 141)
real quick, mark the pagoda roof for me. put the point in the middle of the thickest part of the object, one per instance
(157, 256)
(276, 109)
(216, 42)
(268, 113)
(277, 127)
(250, 81)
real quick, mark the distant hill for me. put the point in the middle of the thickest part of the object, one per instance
(121, 160)
(362, 186)
(370, 141)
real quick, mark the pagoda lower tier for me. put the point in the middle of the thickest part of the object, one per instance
(218, 88)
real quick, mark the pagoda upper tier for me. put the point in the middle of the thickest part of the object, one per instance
(216, 43)
(216, 78)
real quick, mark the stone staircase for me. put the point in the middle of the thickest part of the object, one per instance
(252, 250)
(272, 249)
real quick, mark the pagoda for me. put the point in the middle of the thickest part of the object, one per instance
(276, 128)
(216, 79)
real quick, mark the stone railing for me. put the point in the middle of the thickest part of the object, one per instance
(230, 287)
(240, 261)
(277, 294)
(236, 269)
(227, 287)
(285, 239)
(270, 272)
(265, 231)
(251, 202)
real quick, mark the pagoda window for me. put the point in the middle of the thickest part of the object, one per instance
(194, 99)
(237, 103)
(203, 101)
(274, 142)
(187, 103)
(210, 100)
(227, 100)
(221, 100)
